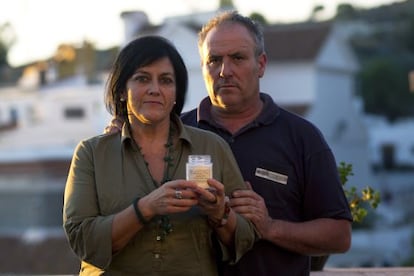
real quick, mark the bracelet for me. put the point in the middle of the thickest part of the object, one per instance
(223, 221)
(138, 212)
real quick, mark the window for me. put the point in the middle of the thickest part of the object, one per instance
(74, 113)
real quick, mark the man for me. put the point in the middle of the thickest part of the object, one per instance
(297, 202)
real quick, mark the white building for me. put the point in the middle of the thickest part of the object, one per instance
(311, 71)
(46, 123)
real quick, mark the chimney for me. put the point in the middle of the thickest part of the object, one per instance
(134, 21)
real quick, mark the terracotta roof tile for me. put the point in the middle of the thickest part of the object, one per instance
(296, 41)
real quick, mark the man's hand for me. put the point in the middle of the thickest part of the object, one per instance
(252, 206)
(114, 126)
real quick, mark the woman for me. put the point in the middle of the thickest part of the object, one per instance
(128, 209)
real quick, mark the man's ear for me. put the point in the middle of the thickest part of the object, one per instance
(262, 61)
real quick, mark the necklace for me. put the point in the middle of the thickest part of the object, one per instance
(164, 225)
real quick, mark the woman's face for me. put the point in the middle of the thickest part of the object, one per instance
(151, 93)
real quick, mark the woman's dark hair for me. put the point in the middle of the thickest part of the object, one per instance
(138, 53)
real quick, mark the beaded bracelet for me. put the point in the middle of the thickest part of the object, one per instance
(138, 212)
(224, 219)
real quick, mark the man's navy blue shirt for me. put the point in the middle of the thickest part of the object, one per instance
(288, 162)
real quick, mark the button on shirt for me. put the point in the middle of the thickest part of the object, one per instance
(108, 172)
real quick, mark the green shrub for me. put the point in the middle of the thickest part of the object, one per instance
(358, 200)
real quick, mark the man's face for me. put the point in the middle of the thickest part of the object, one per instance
(230, 67)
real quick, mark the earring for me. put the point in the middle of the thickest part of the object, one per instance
(122, 99)
(175, 102)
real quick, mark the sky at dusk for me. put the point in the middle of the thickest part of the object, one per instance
(41, 25)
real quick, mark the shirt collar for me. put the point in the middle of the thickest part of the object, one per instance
(182, 133)
(268, 114)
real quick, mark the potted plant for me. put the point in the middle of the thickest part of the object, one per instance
(359, 201)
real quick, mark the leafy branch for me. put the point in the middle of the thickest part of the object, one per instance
(358, 200)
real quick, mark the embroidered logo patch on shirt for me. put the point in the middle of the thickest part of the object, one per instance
(273, 176)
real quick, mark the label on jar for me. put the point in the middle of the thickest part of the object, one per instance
(199, 169)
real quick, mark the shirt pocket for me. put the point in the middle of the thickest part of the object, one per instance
(277, 185)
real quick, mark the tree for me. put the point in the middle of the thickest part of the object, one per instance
(259, 18)
(226, 4)
(88, 60)
(384, 89)
(408, 34)
(3, 54)
(316, 11)
(7, 39)
(65, 58)
(345, 12)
